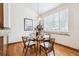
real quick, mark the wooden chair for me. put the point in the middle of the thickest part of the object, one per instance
(47, 46)
(28, 43)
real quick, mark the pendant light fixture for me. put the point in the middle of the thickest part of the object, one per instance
(38, 10)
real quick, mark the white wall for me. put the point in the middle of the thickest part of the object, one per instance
(73, 39)
(15, 15)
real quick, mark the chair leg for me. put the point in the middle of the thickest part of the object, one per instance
(26, 51)
(40, 50)
(23, 49)
(53, 51)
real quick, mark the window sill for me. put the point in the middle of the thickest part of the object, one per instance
(59, 33)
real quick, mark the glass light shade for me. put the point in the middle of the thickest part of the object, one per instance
(39, 18)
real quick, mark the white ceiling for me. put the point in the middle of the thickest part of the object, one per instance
(40, 8)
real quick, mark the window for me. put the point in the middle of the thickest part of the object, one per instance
(58, 22)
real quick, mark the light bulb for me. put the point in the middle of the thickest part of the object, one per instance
(39, 18)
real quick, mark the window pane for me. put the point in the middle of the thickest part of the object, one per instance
(51, 23)
(56, 22)
(64, 21)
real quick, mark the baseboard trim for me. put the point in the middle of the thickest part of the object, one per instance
(14, 43)
(67, 47)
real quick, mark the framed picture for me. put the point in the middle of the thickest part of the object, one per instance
(28, 24)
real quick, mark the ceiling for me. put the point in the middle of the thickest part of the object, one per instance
(40, 8)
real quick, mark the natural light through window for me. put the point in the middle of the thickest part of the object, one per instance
(57, 22)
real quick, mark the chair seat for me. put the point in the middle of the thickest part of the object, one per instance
(30, 43)
(46, 45)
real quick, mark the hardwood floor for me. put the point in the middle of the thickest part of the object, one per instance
(17, 50)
